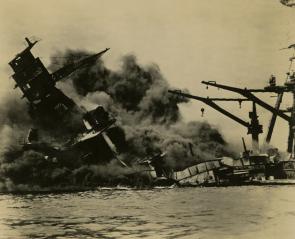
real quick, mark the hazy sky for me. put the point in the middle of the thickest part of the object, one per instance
(233, 42)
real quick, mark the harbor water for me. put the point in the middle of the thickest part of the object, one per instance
(224, 212)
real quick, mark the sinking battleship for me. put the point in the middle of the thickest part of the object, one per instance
(75, 134)
(67, 136)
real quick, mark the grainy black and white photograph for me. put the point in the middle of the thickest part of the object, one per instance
(147, 119)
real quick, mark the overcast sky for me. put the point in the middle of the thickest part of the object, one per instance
(233, 42)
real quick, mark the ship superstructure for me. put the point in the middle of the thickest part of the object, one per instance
(85, 135)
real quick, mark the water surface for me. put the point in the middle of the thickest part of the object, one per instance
(226, 212)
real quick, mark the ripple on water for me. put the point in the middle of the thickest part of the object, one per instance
(245, 212)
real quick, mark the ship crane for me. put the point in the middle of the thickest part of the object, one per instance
(273, 118)
(249, 95)
(254, 128)
(289, 86)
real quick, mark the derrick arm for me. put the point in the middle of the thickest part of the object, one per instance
(210, 102)
(246, 93)
(273, 118)
(254, 128)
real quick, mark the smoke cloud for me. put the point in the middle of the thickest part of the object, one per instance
(137, 96)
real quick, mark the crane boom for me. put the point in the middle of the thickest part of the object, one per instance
(209, 102)
(273, 118)
(254, 128)
(246, 93)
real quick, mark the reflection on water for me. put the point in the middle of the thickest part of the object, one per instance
(232, 212)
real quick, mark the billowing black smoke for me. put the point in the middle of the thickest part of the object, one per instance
(140, 91)
(137, 96)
